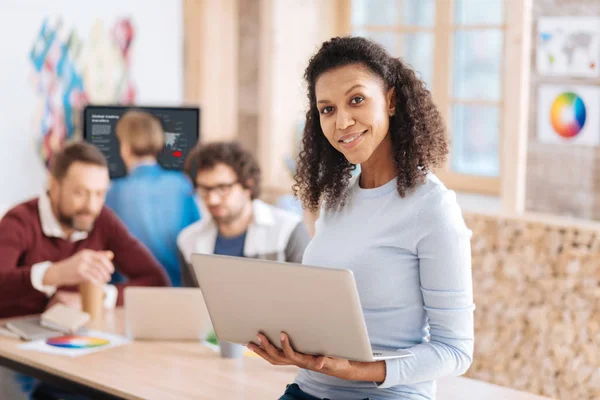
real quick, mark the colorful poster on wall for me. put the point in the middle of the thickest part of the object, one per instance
(568, 46)
(569, 115)
(70, 73)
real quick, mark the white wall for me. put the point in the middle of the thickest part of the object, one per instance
(156, 69)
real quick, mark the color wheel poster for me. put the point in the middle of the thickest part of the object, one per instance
(76, 345)
(569, 115)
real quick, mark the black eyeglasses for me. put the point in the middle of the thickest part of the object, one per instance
(221, 190)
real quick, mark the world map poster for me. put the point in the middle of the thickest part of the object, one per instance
(568, 46)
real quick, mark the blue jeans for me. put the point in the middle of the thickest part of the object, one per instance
(14, 385)
(293, 392)
(44, 391)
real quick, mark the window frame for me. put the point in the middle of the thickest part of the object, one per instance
(516, 64)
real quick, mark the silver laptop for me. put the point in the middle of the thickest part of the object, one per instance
(163, 313)
(317, 307)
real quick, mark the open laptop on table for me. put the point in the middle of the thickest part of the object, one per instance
(164, 313)
(317, 307)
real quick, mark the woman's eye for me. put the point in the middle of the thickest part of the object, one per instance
(326, 110)
(357, 100)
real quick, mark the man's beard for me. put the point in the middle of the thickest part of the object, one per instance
(229, 218)
(72, 222)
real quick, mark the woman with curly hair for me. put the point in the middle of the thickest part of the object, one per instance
(394, 225)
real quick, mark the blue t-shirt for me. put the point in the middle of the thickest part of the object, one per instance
(233, 246)
(155, 204)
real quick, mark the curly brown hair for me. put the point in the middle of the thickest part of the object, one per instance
(417, 130)
(232, 154)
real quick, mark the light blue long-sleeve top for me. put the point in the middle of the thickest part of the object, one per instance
(155, 204)
(411, 258)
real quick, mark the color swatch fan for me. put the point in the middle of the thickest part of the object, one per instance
(77, 345)
(569, 115)
(77, 342)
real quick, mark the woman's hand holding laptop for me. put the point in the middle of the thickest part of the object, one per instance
(338, 367)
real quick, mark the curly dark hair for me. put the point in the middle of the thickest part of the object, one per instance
(232, 154)
(417, 130)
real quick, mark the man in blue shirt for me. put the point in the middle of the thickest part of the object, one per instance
(155, 204)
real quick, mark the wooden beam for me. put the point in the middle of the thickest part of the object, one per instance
(469, 183)
(517, 64)
(192, 53)
(211, 63)
(344, 17)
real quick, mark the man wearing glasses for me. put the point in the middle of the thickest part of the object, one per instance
(227, 179)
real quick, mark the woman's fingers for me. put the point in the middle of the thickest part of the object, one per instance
(288, 351)
(263, 354)
(271, 350)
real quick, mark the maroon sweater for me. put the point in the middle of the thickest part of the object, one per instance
(23, 244)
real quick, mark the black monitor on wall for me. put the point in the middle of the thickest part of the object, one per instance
(181, 126)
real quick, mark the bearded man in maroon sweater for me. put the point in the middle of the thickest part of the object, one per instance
(50, 244)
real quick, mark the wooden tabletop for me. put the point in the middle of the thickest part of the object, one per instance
(188, 370)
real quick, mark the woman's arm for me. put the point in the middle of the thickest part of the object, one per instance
(338, 367)
(366, 371)
(444, 253)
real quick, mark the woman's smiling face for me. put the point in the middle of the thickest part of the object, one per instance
(354, 109)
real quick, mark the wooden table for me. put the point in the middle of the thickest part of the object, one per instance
(186, 370)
